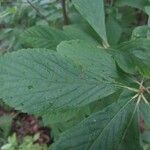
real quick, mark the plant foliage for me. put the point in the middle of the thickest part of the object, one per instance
(69, 76)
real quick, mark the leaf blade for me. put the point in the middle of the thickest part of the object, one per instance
(93, 58)
(42, 37)
(134, 56)
(47, 81)
(101, 130)
(137, 4)
(88, 10)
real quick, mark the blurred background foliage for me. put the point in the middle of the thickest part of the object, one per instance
(122, 16)
(16, 15)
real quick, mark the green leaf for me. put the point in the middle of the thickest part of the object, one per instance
(113, 27)
(5, 124)
(133, 3)
(145, 114)
(78, 32)
(93, 12)
(92, 58)
(43, 37)
(147, 10)
(108, 129)
(145, 125)
(48, 82)
(48, 37)
(134, 56)
(5, 127)
(141, 32)
(59, 116)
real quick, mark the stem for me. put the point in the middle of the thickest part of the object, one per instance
(145, 100)
(105, 44)
(36, 9)
(139, 99)
(129, 88)
(135, 96)
(141, 83)
(65, 16)
(136, 82)
(148, 91)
